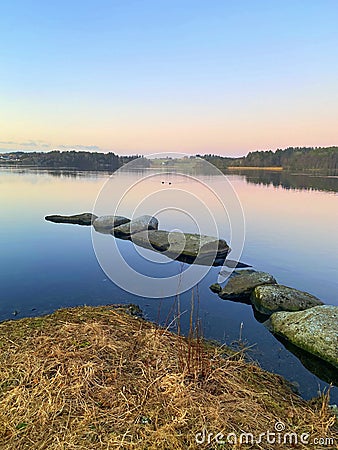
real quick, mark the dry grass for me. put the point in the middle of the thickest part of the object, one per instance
(98, 378)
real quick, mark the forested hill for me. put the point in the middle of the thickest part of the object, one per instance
(78, 160)
(292, 158)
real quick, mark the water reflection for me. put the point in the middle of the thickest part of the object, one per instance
(289, 180)
(284, 179)
(315, 365)
(290, 234)
(57, 173)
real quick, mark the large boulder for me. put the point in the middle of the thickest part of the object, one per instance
(314, 330)
(272, 298)
(241, 284)
(104, 224)
(77, 219)
(186, 247)
(137, 225)
(152, 240)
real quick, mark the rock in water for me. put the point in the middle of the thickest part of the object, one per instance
(272, 298)
(77, 219)
(314, 330)
(216, 287)
(137, 225)
(184, 247)
(241, 284)
(152, 239)
(105, 223)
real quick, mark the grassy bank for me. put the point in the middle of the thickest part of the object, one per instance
(99, 378)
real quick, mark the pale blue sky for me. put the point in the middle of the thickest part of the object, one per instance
(143, 76)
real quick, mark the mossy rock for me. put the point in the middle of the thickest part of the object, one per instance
(136, 225)
(275, 297)
(241, 284)
(186, 247)
(314, 330)
(104, 224)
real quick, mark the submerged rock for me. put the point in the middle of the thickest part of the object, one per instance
(105, 223)
(137, 225)
(77, 219)
(241, 284)
(184, 247)
(272, 298)
(314, 330)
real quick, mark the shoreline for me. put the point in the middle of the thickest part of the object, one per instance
(100, 376)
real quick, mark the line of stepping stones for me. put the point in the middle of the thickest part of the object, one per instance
(292, 315)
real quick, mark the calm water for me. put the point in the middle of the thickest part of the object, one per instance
(289, 232)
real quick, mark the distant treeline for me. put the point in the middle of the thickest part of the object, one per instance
(79, 160)
(300, 159)
(293, 158)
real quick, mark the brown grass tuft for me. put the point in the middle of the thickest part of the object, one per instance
(97, 378)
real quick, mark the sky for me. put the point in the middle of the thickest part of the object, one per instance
(146, 76)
